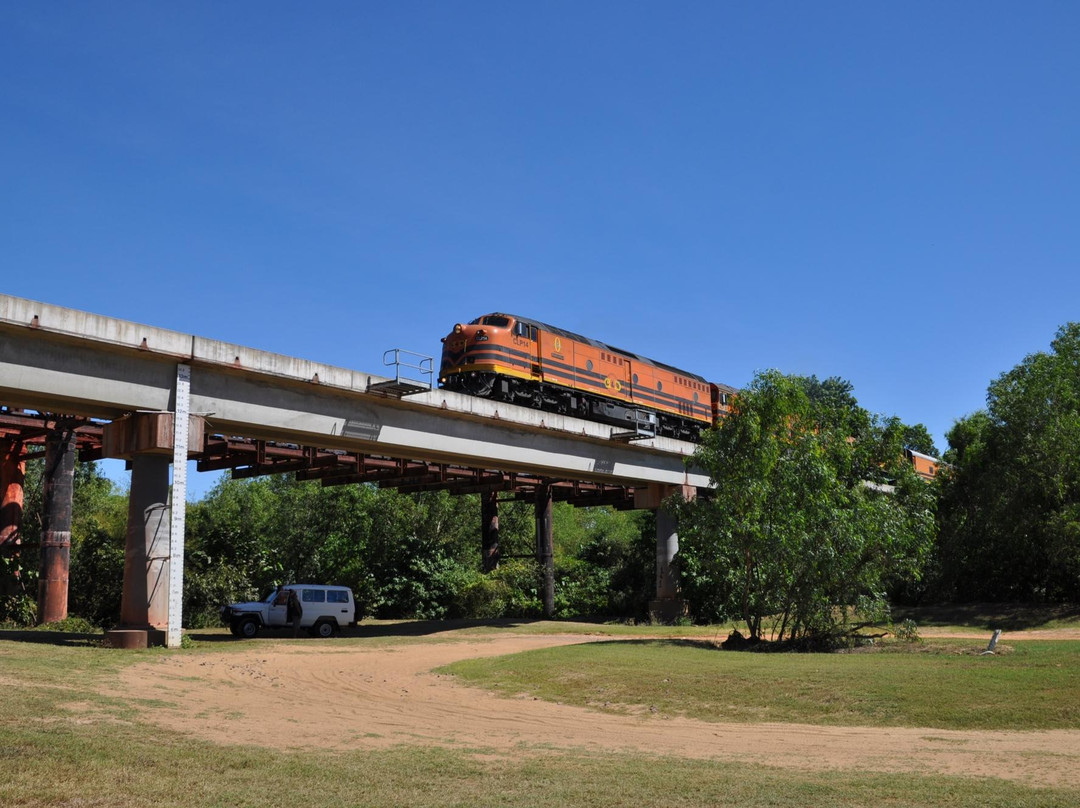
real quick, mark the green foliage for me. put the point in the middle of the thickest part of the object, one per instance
(71, 625)
(613, 572)
(96, 582)
(513, 590)
(98, 535)
(918, 437)
(814, 513)
(907, 631)
(1010, 498)
(17, 611)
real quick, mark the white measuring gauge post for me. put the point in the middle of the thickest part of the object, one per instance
(181, 419)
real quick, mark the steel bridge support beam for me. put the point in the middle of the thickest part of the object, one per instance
(58, 488)
(545, 548)
(489, 528)
(12, 497)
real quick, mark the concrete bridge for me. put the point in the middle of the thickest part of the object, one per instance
(142, 382)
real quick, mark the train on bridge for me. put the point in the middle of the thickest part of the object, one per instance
(524, 361)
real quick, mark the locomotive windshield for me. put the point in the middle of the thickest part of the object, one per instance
(496, 320)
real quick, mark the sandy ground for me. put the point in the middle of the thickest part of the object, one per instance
(344, 697)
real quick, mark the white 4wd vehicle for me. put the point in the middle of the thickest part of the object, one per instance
(325, 609)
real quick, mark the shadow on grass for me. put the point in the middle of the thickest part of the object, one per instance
(990, 616)
(51, 637)
(423, 628)
(396, 628)
(403, 628)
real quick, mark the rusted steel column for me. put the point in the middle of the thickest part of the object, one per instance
(56, 525)
(145, 602)
(12, 478)
(489, 528)
(545, 547)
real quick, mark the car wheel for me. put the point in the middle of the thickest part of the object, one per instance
(324, 629)
(248, 628)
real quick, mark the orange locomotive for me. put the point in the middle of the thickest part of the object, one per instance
(527, 362)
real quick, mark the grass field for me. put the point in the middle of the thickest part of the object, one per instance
(943, 684)
(65, 744)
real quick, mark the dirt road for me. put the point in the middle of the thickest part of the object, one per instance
(336, 696)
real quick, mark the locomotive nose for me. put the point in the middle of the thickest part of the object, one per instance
(456, 332)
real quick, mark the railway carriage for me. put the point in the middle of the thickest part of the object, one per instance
(524, 361)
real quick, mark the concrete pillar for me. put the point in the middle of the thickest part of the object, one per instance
(545, 547)
(145, 602)
(667, 545)
(12, 478)
(489, 528)
(151, 441)
(667, 605)
(58, 489)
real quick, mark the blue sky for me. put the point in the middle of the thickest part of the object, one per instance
(884, 192)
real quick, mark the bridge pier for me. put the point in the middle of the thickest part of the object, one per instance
(144, 605)
(667, 605)
(12, 496)
(147, 439)
(545, 547)
(59, 484)
(489, 529)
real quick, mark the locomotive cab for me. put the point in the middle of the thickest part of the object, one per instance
(484, 356)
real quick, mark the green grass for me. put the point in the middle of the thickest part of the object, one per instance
(65, 745)
(83, 768)
(1035, 685)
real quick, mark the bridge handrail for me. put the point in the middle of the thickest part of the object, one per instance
(424, 365)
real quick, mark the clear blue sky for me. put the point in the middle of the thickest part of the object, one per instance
(884, 192)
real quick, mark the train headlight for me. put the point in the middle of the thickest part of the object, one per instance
(458, 328)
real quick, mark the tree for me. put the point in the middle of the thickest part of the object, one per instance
(1010, 503)
(815, 512)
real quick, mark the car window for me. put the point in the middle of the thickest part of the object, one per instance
(313, 596)
(337, 596)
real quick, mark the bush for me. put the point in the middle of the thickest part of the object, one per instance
(17, 611)
(907, 631)
(72, 624)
